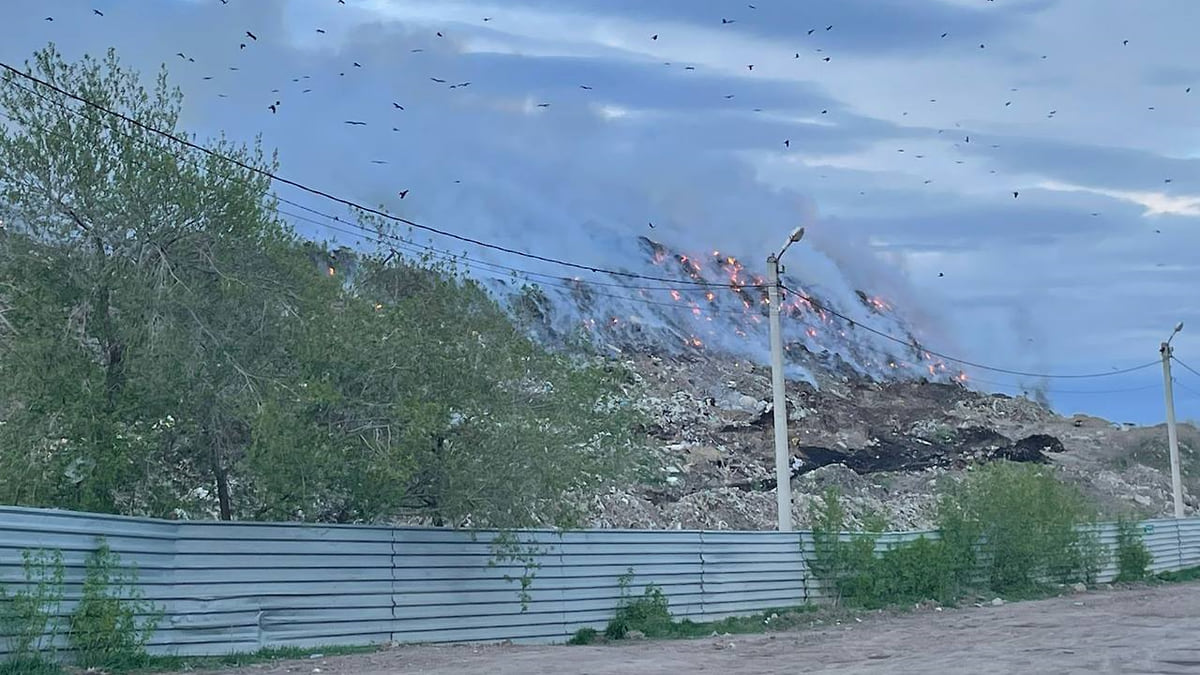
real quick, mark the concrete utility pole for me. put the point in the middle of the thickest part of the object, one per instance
(1172, 436)
(783, 463)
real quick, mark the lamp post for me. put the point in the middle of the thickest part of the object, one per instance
(1172, 436)
(783, 465)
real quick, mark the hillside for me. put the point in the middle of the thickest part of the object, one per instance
(871, 411)
(885, 445)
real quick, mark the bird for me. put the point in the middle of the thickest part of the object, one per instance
(584, 86)
(180, 55)
(403, 193)
(750, 66)
(250, 35)
(796, 56)
(356, 123)
(728, 21)
(1188, 90)
(945, 34)
(487, 18)
(1015, 193)
(689, 67)
(941, 274)
(379, 161)
(811, 31)
(439, 34)
(829, 27)
(1167, 180)
(1124, 42)
(273, 107)
(397, 106)
(49, 18)
(438, 80)
(97, 12)
(651, 225)
(357, 64)
(543, 105)
(242, 45)
(826, 59)
(728, 96)
(654, 37)
(321, 31)
(787, 143)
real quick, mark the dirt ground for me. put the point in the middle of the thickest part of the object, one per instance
(1142, 630)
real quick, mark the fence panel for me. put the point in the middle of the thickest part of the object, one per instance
(228, 587)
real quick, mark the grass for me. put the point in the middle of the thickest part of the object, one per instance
(161, 664)
(782, 618)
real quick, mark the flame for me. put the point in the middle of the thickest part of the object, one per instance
(675, 295)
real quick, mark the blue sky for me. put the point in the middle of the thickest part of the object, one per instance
(904, 148)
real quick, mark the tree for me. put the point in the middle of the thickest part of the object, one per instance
(169, 344)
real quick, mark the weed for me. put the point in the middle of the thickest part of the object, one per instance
(584, 636)
(1133, 558)
(105, 628)
(1015, 527)
(29, 616)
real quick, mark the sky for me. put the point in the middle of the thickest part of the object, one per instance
(1020, 177)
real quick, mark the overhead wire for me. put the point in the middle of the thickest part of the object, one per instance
(912, 343)
(334, 198)
(1185, 366)
(854, 322)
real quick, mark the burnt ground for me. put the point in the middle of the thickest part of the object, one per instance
(1138, 630)
(889, 447)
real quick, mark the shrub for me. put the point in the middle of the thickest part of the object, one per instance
(848, 563)
(112, 623)
(1133, 558)
(1015, 527)
(649, 614)
(29, 616)
(584, 636)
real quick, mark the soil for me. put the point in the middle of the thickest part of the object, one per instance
(1142, 630)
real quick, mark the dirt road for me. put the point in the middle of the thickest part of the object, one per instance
(1144, 630)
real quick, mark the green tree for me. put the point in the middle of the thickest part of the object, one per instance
(168, 343)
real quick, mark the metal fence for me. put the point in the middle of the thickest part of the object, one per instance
(239, 587)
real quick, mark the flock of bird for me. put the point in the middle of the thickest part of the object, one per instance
(274, 107)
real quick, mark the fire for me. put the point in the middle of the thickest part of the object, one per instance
(710, 296)
(812, 332)
(961, 377)
(879, 304)
(694, 342)
(675, 295)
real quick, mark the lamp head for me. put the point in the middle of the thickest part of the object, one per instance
(1178, 326)
(797, 235)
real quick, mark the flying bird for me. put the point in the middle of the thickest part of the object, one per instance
(945, 34)
(811, 31)
(250, 35)
(750, 66)
(97, 12)
(397, 106)
(439, 34)
(438, 80)
(379, 161)
(273, 108)
(543, 105)
(357, 64)
(829, 27)
(826, 59)
(787, 143)
(1124, 42)
(1015, 193)
(728, 21)
(49, 18)
(651, 225)
(321, 31)
(403, 193)
(654, 37)
(584, 86)
(356, 123)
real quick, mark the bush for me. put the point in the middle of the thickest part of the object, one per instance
(1016, 527)
(584, 636)
(847, 562)
(112, 623)
(29, 616)
(649, 613)
(1133, 558)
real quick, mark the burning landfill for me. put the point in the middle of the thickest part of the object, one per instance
(878, 417)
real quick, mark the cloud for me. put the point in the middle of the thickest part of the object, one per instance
(877, 161)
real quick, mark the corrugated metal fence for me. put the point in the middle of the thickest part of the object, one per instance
(237, 587)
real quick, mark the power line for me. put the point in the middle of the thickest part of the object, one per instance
(354, 205)
(1006, 371)
(1184, 387)
(1055, 390)
(334, 198)
(1185, 366)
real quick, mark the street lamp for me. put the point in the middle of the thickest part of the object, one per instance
(783, 464)
(1166, 350)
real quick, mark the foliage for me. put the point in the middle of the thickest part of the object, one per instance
(507, 547)
(171, 347)
(159, 664)
(906, 572)
(1018, 527)
(584, 636)
(1133, 558)
(112, 622)
(29, 615)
